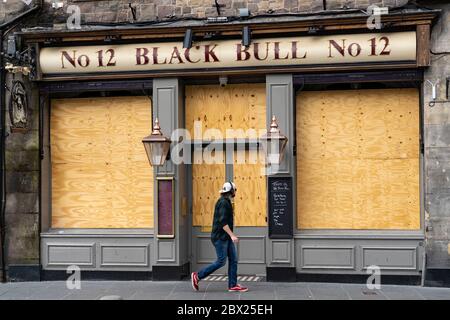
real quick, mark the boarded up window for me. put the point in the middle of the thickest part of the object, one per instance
(358, 159)
(232, 107)
(101, 177)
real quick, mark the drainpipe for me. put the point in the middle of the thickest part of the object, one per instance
(2, 160)
(3, 26)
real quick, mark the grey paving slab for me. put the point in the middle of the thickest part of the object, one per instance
(258, 296)
(16, 295)
(291, 292)
(256, 291)
(152, 294)
(126, 293)
(293, 297)
(153, 290)
(187, 288)
(328, 292)
(148, 296)
(222, 286)
(50, 295)
(22, 290)
(361, 292)
(140, 284)
(85, 294)
(58, 291)
(149, 290)
(157, 286)
(4, 288)
(185, 296)
(215, 289)
(221, 296)
(401, 293)
(432, 293)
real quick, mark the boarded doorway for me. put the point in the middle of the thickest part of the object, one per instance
(239, 107)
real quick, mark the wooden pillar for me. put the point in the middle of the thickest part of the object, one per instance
(423, 45)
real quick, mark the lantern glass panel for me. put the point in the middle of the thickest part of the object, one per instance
(274, 149)
(156, 152)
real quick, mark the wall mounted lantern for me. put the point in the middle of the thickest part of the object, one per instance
(156, 146)
(274, 143)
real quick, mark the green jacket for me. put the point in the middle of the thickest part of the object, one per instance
(223, 215)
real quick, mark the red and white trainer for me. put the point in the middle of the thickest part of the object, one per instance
(194, 280)
(238, 288)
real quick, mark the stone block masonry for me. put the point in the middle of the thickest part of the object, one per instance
(149, 10)
(437, 145)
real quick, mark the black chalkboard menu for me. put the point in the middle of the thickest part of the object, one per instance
(280, 208)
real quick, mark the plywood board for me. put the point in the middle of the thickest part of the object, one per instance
(101, 177)
(207, 180)
(218, 109)
(358, 159)
(251, 196)
(240, 106)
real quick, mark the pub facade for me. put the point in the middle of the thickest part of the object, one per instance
(348, 195)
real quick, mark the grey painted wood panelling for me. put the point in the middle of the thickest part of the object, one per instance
(59, 254)
(166, 251)
(281, 252)
(397, 258)
(315, 257)
(97, 251)
(280, 102)
(252, 249)
(119, 255)
(347, 255)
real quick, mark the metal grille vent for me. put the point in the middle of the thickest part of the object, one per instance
(240, 278)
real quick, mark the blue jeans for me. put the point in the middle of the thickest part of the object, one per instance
(224, 249)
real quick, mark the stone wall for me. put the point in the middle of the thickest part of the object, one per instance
(22, 177)
(22, 189)
(11, 8)
(119, 11)
(437, 145)
(153, 9)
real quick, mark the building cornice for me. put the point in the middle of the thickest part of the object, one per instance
(259, 25)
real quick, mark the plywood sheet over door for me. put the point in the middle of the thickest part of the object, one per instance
(358, 159)
(239, 107)
(101, 177)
